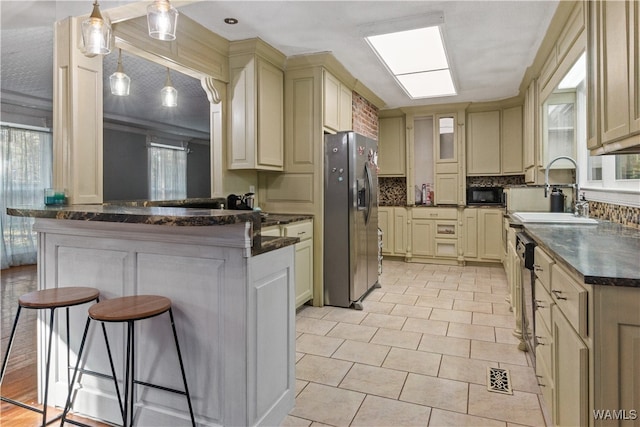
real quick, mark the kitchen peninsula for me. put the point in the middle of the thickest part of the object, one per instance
(233, 299)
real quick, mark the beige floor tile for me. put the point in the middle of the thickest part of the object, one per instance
(318, 344)
(505, 335)
(395, 289)
(474, 287)
(375, 295)
(458, 316)
(475, 332)
(441, 418)
(385, 320)
(502, 308)
(300, 385)
(315, 312)
(377, 307)
(367, 353)
(475, 306)
(291, 421)
(435, 392)
(394, 338)
(424, 275)
(498, 352)
(374, 380)
(426, 326)
(490, 297)
(464, 295)
(380, 412)
(329, 405)
(521, 407)
(399, 299)
(347, 315)
(422, 291)
(298, 354)
(322, 369)
(435, 302)
(465, 369)
(387, 279)
(411, 311)
(442, 285)
(350, 331)
(523, 378)
(313, 326)
(445, 345)
(418, 362)
(498, 320)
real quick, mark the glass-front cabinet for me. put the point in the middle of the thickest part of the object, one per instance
(446, 147)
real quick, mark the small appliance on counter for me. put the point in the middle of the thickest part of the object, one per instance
(236, 202)
(556, 200)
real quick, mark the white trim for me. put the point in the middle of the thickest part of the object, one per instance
(26, 127)
(615, 197)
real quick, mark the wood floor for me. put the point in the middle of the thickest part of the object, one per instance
(20, 380)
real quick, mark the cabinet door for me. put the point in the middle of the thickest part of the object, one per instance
(422, 242)
(391, 146)
(446, 189)
(446, 146)
(529, 125)
(511, 142)
(400, 230)
(345, 111)
(470, 233)
(304, 271)
(331, 101)
(270, 115)
(570, 373)
(385, 216)
(490, 234)
(483, 143)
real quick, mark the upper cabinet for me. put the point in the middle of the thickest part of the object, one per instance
(337, 109)
(391, 146)
(614, 77)
(256, 116)
(494, 142)
(530, 132)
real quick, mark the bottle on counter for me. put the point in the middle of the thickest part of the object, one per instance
(425, 194)
(428, 195)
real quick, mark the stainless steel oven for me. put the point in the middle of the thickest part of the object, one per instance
(525, 248)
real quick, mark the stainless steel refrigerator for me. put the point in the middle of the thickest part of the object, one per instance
(350, 219)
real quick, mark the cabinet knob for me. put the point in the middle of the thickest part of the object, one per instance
(539, 340)
(557, 294)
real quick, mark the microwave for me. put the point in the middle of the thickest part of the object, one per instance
(484, 196)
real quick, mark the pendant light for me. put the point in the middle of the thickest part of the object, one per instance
(162, 19)
(169, 93)
(119, 81)
(96, 33)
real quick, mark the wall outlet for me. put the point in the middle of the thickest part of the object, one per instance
(252, 189)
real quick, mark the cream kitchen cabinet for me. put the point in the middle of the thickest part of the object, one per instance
(391, 146)
(530, 132)
(256, 116)
(434, 234)
(494, 142)
(337, 109)
(393, 223)
(614, 76)
(482, 235)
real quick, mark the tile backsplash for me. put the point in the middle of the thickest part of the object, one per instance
(393, 191)
(625, 215)
(495, 181)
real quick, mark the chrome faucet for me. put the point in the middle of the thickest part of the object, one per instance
(580, 207)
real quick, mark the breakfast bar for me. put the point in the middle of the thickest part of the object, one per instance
(233, 299)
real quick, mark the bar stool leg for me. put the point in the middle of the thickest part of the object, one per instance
(48, 365)
(184, 377)
(113, 369)
(128, 382)
(67, 405)
(11, 337)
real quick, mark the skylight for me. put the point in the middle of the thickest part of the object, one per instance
(418, 61)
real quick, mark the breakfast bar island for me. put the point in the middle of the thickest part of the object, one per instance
(232, 293)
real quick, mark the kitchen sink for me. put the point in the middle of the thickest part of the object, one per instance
(552, 218)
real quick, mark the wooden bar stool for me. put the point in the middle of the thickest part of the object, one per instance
(47, 299)
(130, 309)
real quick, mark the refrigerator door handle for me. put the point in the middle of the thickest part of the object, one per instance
(367, 212)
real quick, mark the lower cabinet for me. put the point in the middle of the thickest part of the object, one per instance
(303, 258)
(434, 234)
(392, 221)
(483, 234)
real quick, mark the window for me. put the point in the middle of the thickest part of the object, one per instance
(167, 172)
(25, 171)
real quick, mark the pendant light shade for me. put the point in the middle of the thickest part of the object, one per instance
(96, 33)
(169, 93)
(162, 19)
(119, 81)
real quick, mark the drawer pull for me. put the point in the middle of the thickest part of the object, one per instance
(536, 267)
(557, 294)
(539, 305)
(301, 233)
(540, 340)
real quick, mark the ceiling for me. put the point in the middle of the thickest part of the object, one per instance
(490, 44)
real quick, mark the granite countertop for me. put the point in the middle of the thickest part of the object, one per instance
(281, 219)
(604, 254)
(165, 216)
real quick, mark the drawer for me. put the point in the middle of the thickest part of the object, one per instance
(303, 230)
(571, 299)
(545, 381)
(446, 229)
(542, 266)
(544, 341)
(435, 213)
(446, 248)
(543, 304)
(273, 230)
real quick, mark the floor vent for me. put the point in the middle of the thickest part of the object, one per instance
(499, 380)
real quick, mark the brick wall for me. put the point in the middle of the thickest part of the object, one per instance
(365, 117)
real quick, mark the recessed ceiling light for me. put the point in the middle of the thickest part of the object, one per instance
(230, 21)
(418, 61)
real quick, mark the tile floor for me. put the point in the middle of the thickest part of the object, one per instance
(416, 355)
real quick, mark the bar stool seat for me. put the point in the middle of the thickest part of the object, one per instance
(51, 299)
(128, 310)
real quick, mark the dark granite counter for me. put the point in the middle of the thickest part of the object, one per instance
(604, 254)
(164, 216)
(281, 219)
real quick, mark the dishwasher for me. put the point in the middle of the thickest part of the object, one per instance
(525, 248)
